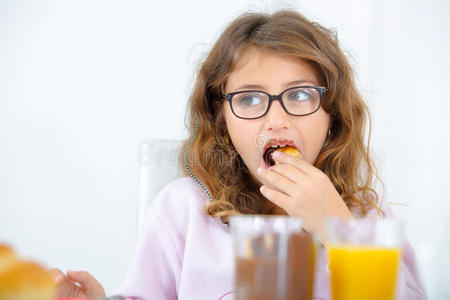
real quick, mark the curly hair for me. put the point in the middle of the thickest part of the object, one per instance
(344, 157)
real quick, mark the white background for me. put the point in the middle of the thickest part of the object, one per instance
(83, 82)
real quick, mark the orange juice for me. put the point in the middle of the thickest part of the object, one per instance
(363, 272)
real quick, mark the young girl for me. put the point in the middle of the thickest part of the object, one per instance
(269, 81)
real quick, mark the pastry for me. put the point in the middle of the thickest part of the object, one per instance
(23, 280)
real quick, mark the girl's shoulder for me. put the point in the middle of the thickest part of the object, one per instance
(180, 199)
(182, 190)
(185, 187)
(382, 208)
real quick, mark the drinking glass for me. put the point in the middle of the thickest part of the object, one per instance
(364, 257)
(274, 258)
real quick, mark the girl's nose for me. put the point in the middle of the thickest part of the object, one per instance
(276, 118)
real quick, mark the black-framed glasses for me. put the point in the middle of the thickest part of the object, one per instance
(296, 101)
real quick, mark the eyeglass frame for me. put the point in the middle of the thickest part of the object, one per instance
(322, 91)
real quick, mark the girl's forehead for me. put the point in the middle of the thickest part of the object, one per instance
(259, 66)
(252, 57)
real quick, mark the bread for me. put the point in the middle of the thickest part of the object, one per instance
(23, 280)
(291, 151)
(7, 257)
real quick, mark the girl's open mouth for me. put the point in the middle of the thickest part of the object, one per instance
(268, 156)
(288, 148)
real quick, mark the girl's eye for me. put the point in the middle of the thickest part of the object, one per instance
(299, 95)
(249, 100)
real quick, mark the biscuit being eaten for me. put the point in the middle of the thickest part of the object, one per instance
(286, 149)
(291, 151)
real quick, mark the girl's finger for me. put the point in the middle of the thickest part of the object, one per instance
(278, 198)
(58, 276)
(66, 288)
(280, 181)
(291, 172)
(283, 158)
(92, 287)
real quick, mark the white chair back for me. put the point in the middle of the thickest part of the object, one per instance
(158, 166)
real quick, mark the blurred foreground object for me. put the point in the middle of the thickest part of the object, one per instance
(23, 280)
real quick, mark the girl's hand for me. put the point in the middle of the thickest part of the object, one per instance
(302, 191)
(77, 285)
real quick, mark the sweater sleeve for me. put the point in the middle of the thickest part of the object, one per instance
(155, 268)
(410, 286)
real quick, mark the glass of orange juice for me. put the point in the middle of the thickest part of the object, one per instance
(364, 257)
